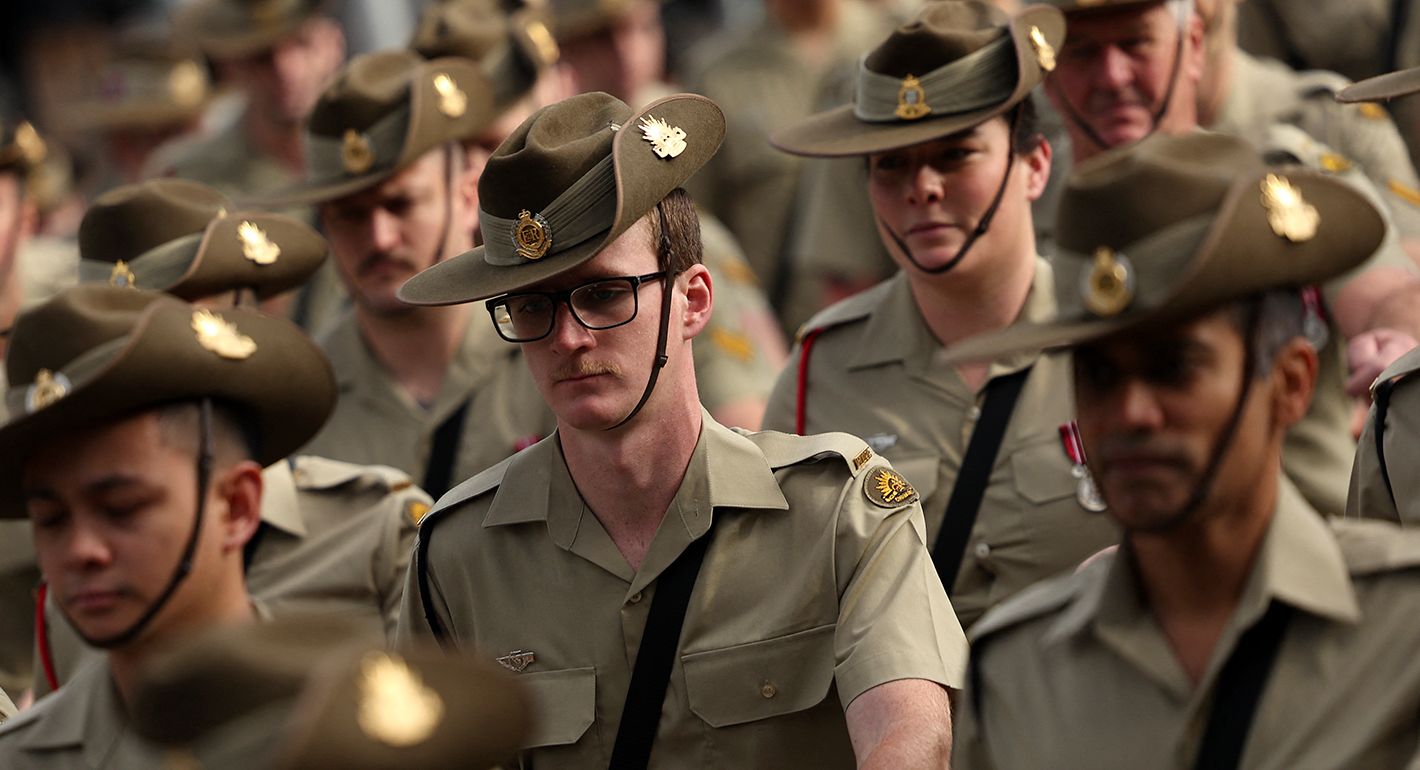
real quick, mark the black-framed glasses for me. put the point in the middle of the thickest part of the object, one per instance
(601, 304)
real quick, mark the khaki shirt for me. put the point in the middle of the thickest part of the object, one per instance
(1076, 673)
(19, 576)
(7, 707)
(874, 373)
(1370, 496)
(377, 423)
(335, 538)
(84, 726)
(809, 595)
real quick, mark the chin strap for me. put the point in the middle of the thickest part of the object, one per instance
(1089, 131)
(983, 225)
(667, 282)
(184, 567)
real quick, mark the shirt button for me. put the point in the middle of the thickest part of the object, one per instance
(767, 689)
(974, 413)
(982, 550)
(635, 598)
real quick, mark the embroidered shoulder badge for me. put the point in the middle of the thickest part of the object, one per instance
(888, 489)
(255, 245)
(220, 336)
(667, 141)
(396, 708)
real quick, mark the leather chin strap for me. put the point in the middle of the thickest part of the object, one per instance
(659, 362)
(1093, 136)
(983, 225)
(184, 567)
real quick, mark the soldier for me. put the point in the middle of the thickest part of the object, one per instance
(140, 425)
(431, 391)
(1235, 627)
(1132, 67)
(308, 692)
(746, 349)
(818, 631)
(334, 537)
(951, 186)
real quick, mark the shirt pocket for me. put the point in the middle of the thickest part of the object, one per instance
(565, 704)
(760, 680)
(1042, 472)
(920, 469)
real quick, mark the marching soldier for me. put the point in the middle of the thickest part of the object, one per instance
(988, 446)
(1235, 627)
(772, 591)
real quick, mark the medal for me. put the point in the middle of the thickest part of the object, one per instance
(1086, 493)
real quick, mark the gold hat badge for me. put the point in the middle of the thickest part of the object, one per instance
(1288, 214)
(186, 84)
(48, 387)
(667, 141)
(220, 336)
(453, 102)
(1044, 51)
(396, 708)
(1109, 286)
(122, 276)
(911, 99)
(355, 152)
(531, 236)
(255, 245)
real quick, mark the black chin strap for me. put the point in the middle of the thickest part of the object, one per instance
(184, 567)
(1089, 131)
(667, 281)
(983, 225)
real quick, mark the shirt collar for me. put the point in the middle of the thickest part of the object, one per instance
(86, 713)
(280, 506)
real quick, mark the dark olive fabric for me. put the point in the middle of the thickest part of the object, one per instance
(233, 29)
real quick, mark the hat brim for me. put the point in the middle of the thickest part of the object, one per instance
(1224, 268)
(642, 180)
(286, 385)
(221, 264)
(839, 132)
(1387, 86)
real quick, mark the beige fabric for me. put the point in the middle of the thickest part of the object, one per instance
(874, 374)
(7, 707)
(377, 423)
(809, 595)
(18, 578)
(84, 726)
(337, 540)
(764, 85)
(1370, 497)
(1077, 673)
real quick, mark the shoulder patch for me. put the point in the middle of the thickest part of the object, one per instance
(1372, 546)
(785, 449)
(1372, 111)
(886, 488)
(415, 510)
(1040, 599)
(1403, 191)
(314, 473)
(735, 344)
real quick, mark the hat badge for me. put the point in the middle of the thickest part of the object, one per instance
(186, 84)
(355, 152)
(255, 245)
(453, 102)
(1288, 213)
(220, 336)
(667, 141)
(48, 387)
(122, 276)
(1044, 51)
(1109, 286)
(27, 141)
(911, 99)
(531, 236)
(396, 708)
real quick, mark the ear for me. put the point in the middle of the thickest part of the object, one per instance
(1195, 56)
(1293, 381)
(239, 489)
(1037, 166)
(699, 300)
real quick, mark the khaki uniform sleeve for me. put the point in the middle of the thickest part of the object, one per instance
(895, 621)
(7, 707)
(412, 623)
(402, 512)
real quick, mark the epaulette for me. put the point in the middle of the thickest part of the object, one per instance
(784, 449)
(30, 715)
(1040, 599)
(1284, 143)
(1373, 546)
(486, 481)
(854, 308)
(1401, 367)
(1320, 83)
(314, 473)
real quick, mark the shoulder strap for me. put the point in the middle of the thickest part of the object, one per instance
(975, 473)
(646, 696)
(439, 472)
(1239, 689)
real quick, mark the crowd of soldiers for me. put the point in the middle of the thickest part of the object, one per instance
(335, 434)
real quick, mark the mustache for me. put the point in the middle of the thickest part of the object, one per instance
(1125, 97)
(372, 261)
(585, 368)
(1124, 448)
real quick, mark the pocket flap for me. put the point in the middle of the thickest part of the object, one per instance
(759, 680)
(564, 705)
(1042, 472)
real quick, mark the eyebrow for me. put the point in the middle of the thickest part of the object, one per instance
(99, 486)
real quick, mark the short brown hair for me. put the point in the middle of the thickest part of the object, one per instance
(682, 230)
